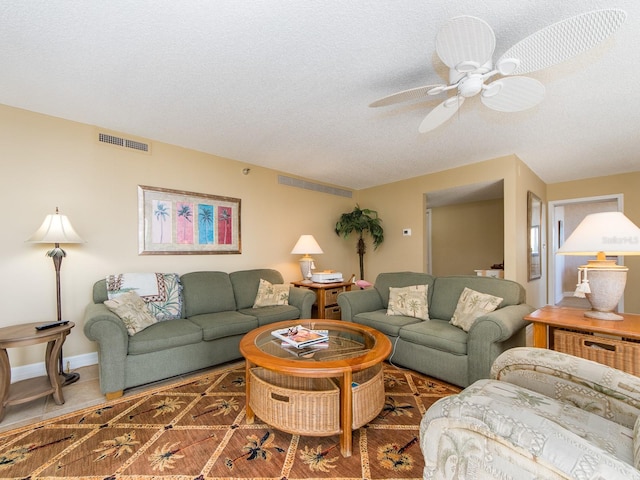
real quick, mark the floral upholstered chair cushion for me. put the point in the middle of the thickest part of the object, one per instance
(409, 301)
(543, 414)
(271, 294)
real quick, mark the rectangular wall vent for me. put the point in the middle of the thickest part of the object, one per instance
(117, 141)
(296, 182)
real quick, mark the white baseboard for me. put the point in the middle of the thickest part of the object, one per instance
(39, 369)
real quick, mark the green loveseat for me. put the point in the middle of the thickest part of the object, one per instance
(217, 311)
(435, 347)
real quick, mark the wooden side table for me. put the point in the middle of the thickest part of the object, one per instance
(614, 343)
(31, 388)
(326, 298)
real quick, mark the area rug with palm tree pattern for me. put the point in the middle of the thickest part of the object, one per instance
(196, 429)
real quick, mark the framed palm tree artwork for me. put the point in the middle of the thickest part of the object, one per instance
(175, 222)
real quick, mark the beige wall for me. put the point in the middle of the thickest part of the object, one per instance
(48, 162)
(627, 185)
(402, 205)
(466, 237)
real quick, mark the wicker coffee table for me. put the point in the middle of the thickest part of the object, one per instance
(319, 391)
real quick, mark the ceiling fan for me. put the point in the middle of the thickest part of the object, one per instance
(466, 45)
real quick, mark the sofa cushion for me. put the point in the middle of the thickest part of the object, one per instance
(387, 324)
(270, 294)
(471, 306)
(410, 301)
(447, 290)
(246, 282)
(207, 292)
(132, 311)
(224, 324)
(437, 334)
(636, 444)
(165, 335)
(402, 279)
(272, 314)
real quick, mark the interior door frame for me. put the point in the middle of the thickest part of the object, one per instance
(553, 239)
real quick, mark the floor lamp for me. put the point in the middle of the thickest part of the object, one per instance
(57, 229)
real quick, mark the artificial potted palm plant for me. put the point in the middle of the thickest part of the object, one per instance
(361, 221)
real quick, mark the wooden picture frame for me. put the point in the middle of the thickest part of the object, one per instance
(534, 236)
(176, 222)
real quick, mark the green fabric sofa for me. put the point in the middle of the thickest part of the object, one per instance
(217, 311)
(435, 347)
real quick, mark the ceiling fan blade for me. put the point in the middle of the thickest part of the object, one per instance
(513, 94)
(411, 94)
(559, 42)
(465, 39)
(441, 114)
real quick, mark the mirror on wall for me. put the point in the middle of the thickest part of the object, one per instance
(534, 239)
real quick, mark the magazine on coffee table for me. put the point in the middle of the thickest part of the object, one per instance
(300, 336)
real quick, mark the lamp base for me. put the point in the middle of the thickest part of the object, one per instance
(603, 315)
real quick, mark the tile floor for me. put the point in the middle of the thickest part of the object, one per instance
(84, 393)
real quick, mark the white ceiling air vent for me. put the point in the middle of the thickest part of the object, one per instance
(122, 142)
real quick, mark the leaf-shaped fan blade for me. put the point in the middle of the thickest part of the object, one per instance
(513, 94)
(405, 95)
(465, 39)
(559, 42)
(441, 114)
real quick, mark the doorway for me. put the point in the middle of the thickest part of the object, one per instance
(564, 217)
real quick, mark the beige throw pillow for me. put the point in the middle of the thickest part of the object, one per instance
(410, 301)
(471, 306)
(271, 294)
(133, 312)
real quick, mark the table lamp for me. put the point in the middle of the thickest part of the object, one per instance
(602, 281)
(305, 246)
(57, 229)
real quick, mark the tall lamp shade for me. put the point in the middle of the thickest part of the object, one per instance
(602, 281)
(306, 246)
(57, 229)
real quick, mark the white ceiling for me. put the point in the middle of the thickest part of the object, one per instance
(287, 84)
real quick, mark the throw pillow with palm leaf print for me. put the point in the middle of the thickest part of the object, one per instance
(472, 305)
(409, 301)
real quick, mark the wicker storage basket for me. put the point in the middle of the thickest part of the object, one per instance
(368, 396)
(304, 406)
(621, 354)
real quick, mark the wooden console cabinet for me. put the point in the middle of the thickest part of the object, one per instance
(326, 305)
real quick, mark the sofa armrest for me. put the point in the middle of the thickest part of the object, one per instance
(105, 327)
(492, 334)
(606, 391)
(303, 299)
(358, 301)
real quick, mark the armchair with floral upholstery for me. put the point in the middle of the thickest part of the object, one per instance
(543, 414)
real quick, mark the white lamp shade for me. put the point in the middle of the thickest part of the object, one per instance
(306, 245)
(56, 228)
(609, 232)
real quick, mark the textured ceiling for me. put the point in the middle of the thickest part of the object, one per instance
(287, 84)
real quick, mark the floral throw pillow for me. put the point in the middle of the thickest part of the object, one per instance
(410, 301)
(133, 312)
(471, 306)
(271, 294)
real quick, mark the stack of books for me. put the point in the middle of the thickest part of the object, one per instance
(301, 337)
